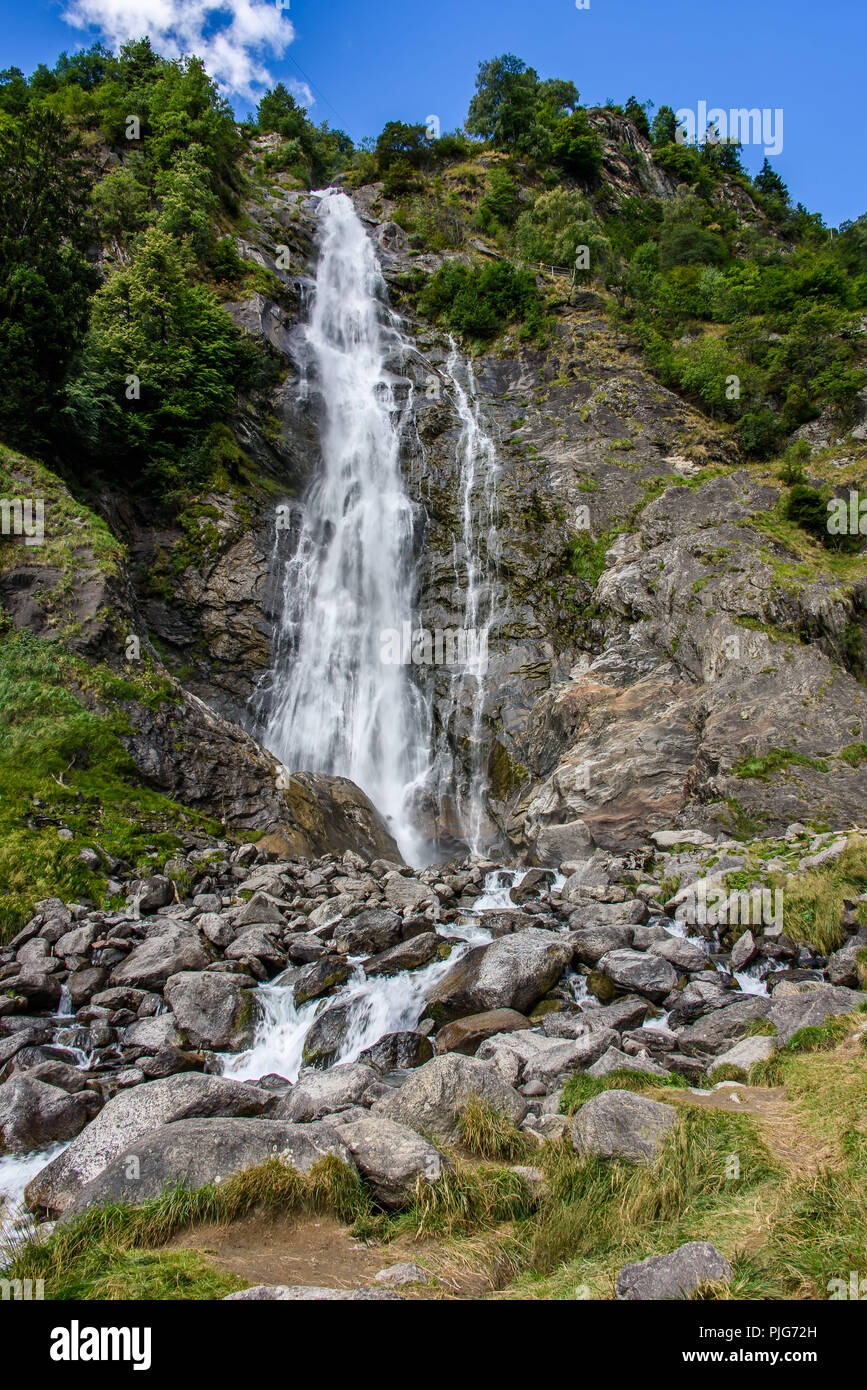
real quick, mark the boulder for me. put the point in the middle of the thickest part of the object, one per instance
(716, 1031)
(745, 1053)
(407, 955)
(620, 1124)
(555, 1063)
(323, 976)
(642, 972)
(615, 1060)
(369, 933)
(403, 1273)
(327, 1035)
(127, 1117)
(398, 1052)
(194, 1152)
(172, 949)
(592, 943)
(407, 894)
(804, 1010)
(34, 1114)
(318, 1093)
(678, 1275)
(216, 1010)
(434, 1097)
(391, 1158)
(843, 964)
(684, 955)
(465, 1034)
(512, 972)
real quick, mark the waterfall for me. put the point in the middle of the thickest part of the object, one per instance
(337, 707)
(464, 782)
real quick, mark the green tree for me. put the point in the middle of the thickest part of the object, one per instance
(505, 104)
(45, 274)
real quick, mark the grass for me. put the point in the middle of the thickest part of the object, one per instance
(580, 1088)
(63, 765)
(774, 761)
(787, 1205)
(813, 901)
(486, 1132)
(108, 1243)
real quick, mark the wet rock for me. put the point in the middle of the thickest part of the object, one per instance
(214, 1010)
(684, 955)
(369, 933)
(319, 1093)
(312, 981)
(465, 1034)
(324, 1040)
(638, 971)
(513, 972)
(130, 1115)
(407, 955)
(34, 1115)
(398, 1052)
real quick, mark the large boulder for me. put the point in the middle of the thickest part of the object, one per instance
(620, 1124)
(552, 1065)
(398, 1051)
(614, 1060)
(391, 1157)
(327, 1035)
(171, 949)
(127, 1117)
(370, 932)
(716, 1031)
(640, 972)
(215, 1009)
(34, 1114)
(318, 1093)
(434, 1097)
(408, 955)
(592, 943)
(682, 954)
(805, 1010)
(512, 972)
(465, 1034)
(194, 1152)
(677, 1275)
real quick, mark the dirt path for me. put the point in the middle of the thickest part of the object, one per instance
(783, 1131)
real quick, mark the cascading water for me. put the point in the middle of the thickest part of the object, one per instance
(337, 706)
(474, 560)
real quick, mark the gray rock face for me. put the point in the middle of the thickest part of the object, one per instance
(592, 943)
(149, 966)
(615, 1060)
(400, 1051)
(677, 1275)
(127, 1117)
(683, 955)
(214, 1009)
(745, 1053)
(391, 1157)
(641, 972)
(512, 972)
(559, 1061)
(465, 1034)
(716, 1031)
(34, 1114)
(803, 1010)
(322, 1093)
(195, 1152)
(434, 1097)
(618, 1124)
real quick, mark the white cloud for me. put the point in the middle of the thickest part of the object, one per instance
(235, 38)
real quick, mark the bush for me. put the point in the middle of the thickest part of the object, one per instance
(759, 433)
(480, 302)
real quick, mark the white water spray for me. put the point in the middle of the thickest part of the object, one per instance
(338, 708)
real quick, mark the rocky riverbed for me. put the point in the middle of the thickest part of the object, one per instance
(241, 1006)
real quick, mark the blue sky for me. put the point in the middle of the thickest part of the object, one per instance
(369, 61)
